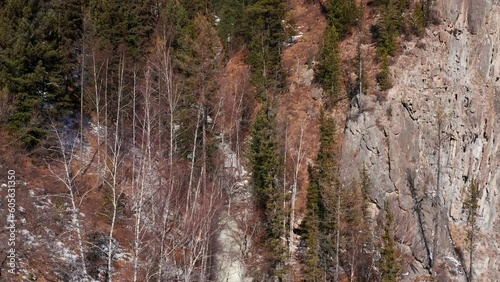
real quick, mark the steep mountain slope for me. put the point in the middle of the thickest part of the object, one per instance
(300, 106)
(436, 132)
(423, 143)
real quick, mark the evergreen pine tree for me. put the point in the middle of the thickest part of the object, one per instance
(365, 189)
(355, 233)
(343, 14)
(384, 76)
(230, 22)
(471, 204)
(389, 265)
(367, 242)
(266, 170)
(328, 72)
(312, 270)
(264, 31)
(328, 189)
(123, 24)
(35, 69)
(263, 152)
(390, 26)
(419, 18)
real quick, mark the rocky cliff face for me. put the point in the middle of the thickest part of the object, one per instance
(438, 129)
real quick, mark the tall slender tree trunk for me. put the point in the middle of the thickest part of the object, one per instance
(138, 182)
(97, 102)
(116, 155)
(68, 177)
(191, 174)
(298, 163)
(82, 91)
(284, 184)
(337, 235)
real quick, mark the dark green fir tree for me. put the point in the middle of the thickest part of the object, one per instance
(328, 72)
(266, 170)
(389, 264)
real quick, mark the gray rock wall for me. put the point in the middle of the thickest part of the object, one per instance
(452, 73)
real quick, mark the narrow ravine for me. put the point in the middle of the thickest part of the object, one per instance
(233, 238)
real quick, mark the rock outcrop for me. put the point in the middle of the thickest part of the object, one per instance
(440, 123)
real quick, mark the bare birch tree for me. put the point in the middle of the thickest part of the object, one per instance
(68, 172)
(114, 163)
(298, 160)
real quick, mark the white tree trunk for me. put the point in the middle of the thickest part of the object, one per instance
(113, 168)
(298, 163)
(68, 177)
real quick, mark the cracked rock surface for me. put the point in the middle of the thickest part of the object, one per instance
(451, 76)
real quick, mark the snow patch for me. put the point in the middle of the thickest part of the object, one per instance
(292, 39)
(231, 161)
(457, 266)
(231, 267)
(43, 203)
(97, 129)
(65, 253)
(28, 238)
(232, 241)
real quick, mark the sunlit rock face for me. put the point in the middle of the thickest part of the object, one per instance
(440, 123)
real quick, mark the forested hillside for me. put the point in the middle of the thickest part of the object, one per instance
(217, 140)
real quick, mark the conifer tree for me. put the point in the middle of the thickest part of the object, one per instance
(312, 269)
(419, 18)
(230, 22)
(320, 223)
(365, 189)
(389, 264)
(34, 67)
(266, 170)
(367, 241)
(264, 31)
(123, 24)
(389, 27)
(471, 204)
(343, 14)
(384, 76)
(328, 187)
(427, 9)
(263, 156)
(355, 233)
(328, 72)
